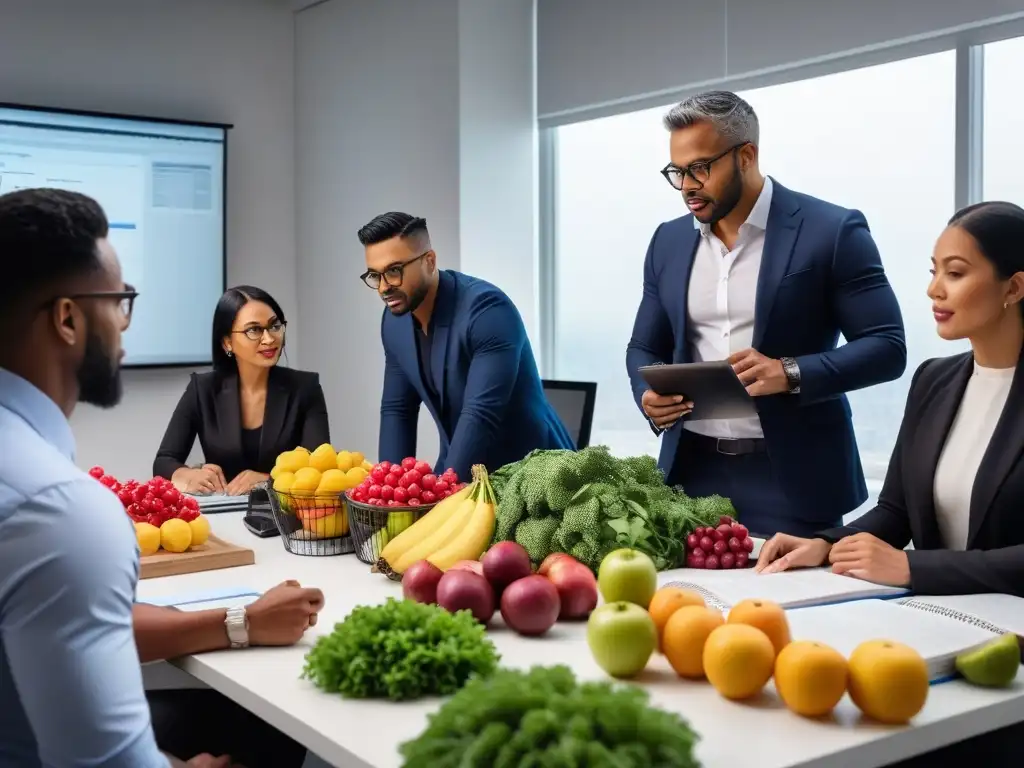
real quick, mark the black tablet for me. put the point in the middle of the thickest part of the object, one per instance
(714, 388)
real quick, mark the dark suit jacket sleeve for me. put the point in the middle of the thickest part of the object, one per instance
(399, 413)
(869, 318)
(180, 435)
(652, 339)
(496, 340)
(316, 428)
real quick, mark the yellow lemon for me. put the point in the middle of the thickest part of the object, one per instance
(275, 472)
(355, 476)
(344, 461)
(175, 535)
(149, 538)
(357, 459)
(200, 531)
(306, 481)
(334, 524)
(300, 449)
(332, 481)
(367, 466)
(283, 482)
(323, 458)
(292, 461)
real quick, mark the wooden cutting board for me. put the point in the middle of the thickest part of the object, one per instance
(213, 555)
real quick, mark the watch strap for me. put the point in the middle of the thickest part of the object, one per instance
(792, 371)
(236, 624)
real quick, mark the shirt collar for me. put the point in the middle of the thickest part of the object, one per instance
(758, 217)
(40, 412)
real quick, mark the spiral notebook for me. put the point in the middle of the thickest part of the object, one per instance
(994, 612)
(938, 636)
(790, 589)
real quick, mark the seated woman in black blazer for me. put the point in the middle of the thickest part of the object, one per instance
(248, 409)
(955, 484)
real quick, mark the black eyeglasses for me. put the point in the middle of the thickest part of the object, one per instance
(699, 171)
(255, 332)
(393, 275)
(125, 298)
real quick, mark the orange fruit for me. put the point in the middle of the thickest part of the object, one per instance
(667, 601)
(738, 660)
(684, 636)
(888, 681)
(810, 677)
(767, 616)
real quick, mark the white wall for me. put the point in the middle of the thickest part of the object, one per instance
(421, 107)
(229, 61)
(593, 54)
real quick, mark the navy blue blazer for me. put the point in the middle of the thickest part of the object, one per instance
(493, 410)
(821, 275)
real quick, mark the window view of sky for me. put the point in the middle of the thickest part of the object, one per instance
(879, 139)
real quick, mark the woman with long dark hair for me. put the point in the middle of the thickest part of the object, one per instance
(955, 484)
(248, 409)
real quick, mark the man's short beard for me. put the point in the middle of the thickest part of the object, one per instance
(99, 377)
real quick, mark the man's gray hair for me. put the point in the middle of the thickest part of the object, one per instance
(732, 117)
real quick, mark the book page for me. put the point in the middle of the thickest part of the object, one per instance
(996, 610)
(790, 589)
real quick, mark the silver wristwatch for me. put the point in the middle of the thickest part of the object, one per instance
(237, 625)
(792, 371)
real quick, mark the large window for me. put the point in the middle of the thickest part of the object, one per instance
(1003, 121)
(880, 139)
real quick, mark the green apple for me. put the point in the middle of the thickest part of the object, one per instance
(627, 574)
(622, 637)
(995, 664)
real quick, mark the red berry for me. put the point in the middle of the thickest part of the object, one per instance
(97, 472)
(428, 480)
(413, 476)
(740, 531)
(125, 497)
(748, 545)
(373, 491)
(721, 547)
(716, 535)
(401, 495)
(387, 492)
(727, 560)
(391, 479)
(423, 468)
(711, 562)
(693, 541)
(134, 510)
(693, 561)
(191, 503)
(414, 502)
(428, 497)
(414, 490)
(735, 545)
(157, 505)
(378, 474)
(707, 543)
(742, 559)
(108, 481)
(409, 463)
(725, 520)
(154, 519)
(441, 486)
(139, 493)
(725, 529)
(171, 496)
(392, 503)
(385, 465)
(699, 531)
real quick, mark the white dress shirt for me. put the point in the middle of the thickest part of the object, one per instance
(721, 298)
(965, 447)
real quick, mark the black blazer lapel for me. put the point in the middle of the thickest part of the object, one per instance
(444, 308)
(934, 423)
(1001, 456)
(780, 235)
(679, 275)
(229, 417)
(274, 411)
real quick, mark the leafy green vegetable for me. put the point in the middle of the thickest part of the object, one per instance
(588, 502)
(544, 718)
(400, 650)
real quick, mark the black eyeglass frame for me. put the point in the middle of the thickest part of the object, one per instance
(267, 329)
(129, 294)
(371, 275)
(704, 166)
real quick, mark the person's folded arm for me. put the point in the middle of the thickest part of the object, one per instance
(399, 413)
(316, 428)
(976, 571)
(166, 633)
(496, 340)
(868, 315)
(651, 341)
(180, 435)
(67, 629)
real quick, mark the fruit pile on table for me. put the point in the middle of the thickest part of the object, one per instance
(164, 518)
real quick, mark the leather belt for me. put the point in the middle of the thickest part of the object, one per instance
(730, 446)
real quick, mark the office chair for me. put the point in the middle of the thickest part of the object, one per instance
(573, 401)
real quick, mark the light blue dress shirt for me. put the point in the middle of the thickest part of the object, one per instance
(71, 692)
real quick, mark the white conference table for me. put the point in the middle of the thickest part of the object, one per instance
(367, 733)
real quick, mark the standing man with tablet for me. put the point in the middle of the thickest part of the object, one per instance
(767, 279)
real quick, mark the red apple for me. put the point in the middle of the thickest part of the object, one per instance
(469, 565)
(552, 559)
(464, 590)
(577, 589)
(504, 563)
(419, 582)
(530, 606)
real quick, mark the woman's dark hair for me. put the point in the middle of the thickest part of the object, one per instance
(224, 320)
(998, 229)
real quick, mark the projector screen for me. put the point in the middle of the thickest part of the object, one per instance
(162, 187)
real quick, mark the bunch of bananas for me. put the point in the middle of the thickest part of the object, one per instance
(459, 528)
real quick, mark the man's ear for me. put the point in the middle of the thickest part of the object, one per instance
(431, 259)
(67, 320)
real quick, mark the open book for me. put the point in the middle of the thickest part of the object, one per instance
(939, 639)
(995, 612)
(790, 589)
(219, 502)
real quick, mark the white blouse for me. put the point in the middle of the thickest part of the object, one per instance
(968, 439)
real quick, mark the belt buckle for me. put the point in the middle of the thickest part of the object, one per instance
(718, 446)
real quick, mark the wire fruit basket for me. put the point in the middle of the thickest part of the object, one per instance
(315, 525)
(374, 526)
